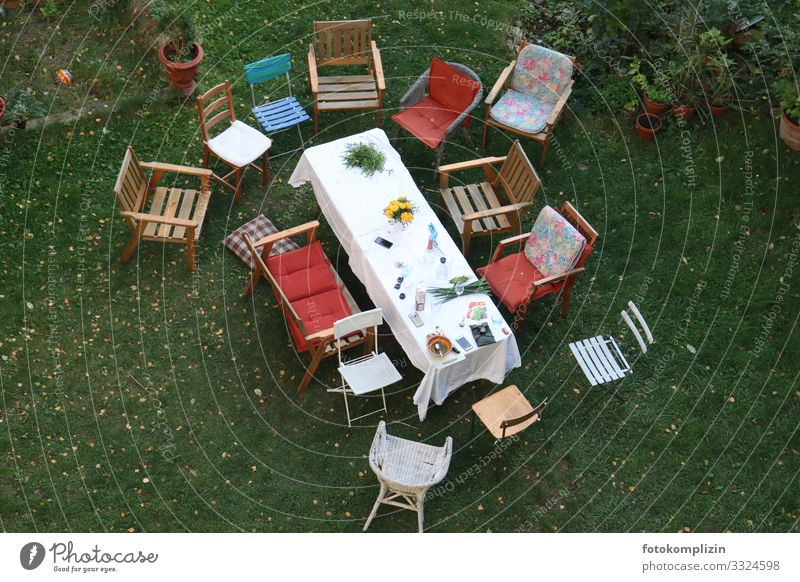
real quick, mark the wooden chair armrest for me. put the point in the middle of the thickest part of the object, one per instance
(559, 105)
(312, 69)
(138, 216)
(378, 64)
(511, 208)
(320, 335)
(308, 227)
(508, 242)
(458, 166)
(175, 169)
(501, 82)
(556, 278)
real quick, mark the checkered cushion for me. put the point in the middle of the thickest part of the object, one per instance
(256, 229)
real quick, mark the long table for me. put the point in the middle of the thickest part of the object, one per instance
(353, 204)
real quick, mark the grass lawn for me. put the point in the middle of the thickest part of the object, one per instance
(142, 397)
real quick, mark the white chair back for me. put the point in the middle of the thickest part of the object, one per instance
(358, 322)
(642, 323)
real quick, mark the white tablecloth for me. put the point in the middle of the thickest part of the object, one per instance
(353, 206)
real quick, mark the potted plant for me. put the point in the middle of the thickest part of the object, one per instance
(685, 84)
(648, 125)
(719, 87)
(788, 95)
(179, 47)
(22, 106)
(655, 92)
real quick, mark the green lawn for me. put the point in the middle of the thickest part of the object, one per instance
(702, 230)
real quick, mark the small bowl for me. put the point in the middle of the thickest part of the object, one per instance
(444, 344)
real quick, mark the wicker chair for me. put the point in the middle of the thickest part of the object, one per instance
(406, 470)
(418, 95)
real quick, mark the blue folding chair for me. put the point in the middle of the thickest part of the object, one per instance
(276, 116)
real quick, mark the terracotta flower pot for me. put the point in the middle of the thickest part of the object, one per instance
(685, 112)
(790, 132)
(181, 75)
(720, 110)
(647, 126)
(654, 107)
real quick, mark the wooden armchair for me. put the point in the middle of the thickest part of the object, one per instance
(529, 96)
(174, 215)
(477, 209)
(311, 294)
(517, 282)
(342, 43)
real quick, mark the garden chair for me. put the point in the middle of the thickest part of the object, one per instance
(439, 103)
(535, 89)
(601, 359)
(554, 255)
(310, 292)
(280, 115)
(406, 470)
(477, 209)
(174, 215)
(343, 43)
(238, 145)
(369, 373)
(507, 412)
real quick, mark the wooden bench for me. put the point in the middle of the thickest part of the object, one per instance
(311, 294)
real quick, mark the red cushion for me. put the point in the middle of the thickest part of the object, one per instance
(302, 272)
(510, 278)
(318, 312)
(450, 88)
(427, 121)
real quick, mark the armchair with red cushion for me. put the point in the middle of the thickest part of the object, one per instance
(438, 103)
(308, 288)
(546, 266)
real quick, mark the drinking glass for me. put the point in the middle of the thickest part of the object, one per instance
(459, 288)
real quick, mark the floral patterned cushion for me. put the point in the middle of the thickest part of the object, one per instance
(541, 73)
(554, 244)
(521, 111)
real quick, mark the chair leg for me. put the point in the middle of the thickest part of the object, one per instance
(485, 128)
(567, 293)
(238, 191)
(312, 367)
(130, 247)
(374, 511)
(439, 151)
(544, 432)
(346, 406)
(265, 169)
(465, 240)
(545, 147)
(316, 118)
(421, 511)
(205, 156)
(385, 408)
(190, 254)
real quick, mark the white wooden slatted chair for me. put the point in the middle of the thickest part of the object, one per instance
(406, 470)
(601, 358)
(369, 373)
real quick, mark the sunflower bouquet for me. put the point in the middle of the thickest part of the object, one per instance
(400, 211)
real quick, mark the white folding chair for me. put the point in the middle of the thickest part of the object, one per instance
(369, 373)
(601, 359)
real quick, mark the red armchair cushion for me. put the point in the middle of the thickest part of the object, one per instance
(450, 88)
(318, 312)
(427, 121)
(302, 272)
(510, 278)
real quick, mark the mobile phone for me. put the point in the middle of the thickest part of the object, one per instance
(416, 319)
(464, 343)
(383, 242)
